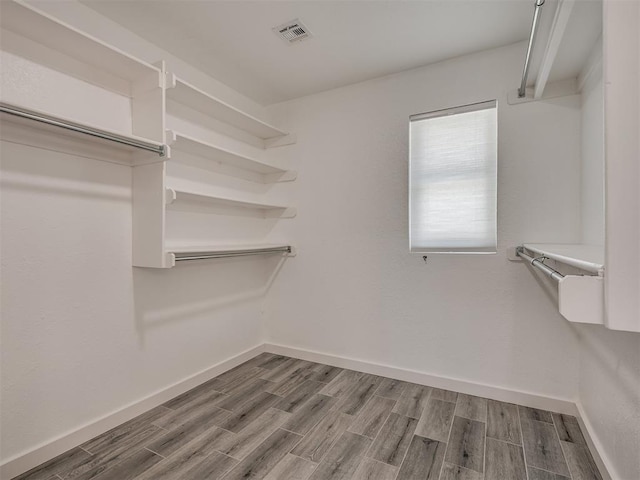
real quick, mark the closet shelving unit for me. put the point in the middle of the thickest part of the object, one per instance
(32, 34)
(144, 143)
(579, 269)
(151, 218)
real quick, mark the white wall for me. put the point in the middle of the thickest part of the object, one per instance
(592, 147)
(355, 291)
(609, 394)
(77, 317)
(83, 333)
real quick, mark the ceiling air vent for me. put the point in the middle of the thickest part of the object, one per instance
(292, 31)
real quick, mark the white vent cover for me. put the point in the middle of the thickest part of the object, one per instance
(292, 31)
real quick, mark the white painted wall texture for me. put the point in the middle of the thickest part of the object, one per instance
(592, 168)
(609, 394)
(84, 334)
(354, 290)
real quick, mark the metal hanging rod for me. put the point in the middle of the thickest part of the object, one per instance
(75, 127)
(230, 253)
(538, 263)
(532, 40)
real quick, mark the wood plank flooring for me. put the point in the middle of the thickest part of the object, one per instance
(279, 418)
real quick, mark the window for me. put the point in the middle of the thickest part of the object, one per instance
(453, 180)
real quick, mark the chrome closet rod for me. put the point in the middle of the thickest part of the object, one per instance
(536, 262)
(532, 39)
(230, 253)
(56, 122)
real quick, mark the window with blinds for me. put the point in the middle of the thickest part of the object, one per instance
(453, 180)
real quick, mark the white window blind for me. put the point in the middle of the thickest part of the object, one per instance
(453, 180)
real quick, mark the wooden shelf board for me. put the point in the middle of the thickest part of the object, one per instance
(586, 257)
(42, 28)
(206, 150)
(186, 94)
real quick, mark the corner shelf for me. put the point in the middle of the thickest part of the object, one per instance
(184, 143)
(589, 258)
(270, 211)
(186, 94)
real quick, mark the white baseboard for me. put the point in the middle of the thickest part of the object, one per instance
(464, 386)
(604, 464)
(23, 462)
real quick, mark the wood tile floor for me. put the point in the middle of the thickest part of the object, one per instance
(279, 418)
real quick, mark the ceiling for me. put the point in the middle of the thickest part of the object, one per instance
(352, 40)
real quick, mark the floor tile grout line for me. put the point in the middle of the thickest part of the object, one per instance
(254, 449)
(337, 438)
(484, 455)
(366, 454)
(503, 441)
(426, 403)
(550, 472)
(251, 451)
(524, 452)
(449, 441)
(147, 448)
(355, 419)
(85, 450)
(555, 430)
(565, 458)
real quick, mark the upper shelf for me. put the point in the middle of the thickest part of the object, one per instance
(585, 257)
(186, 94)
(35, 25)
(184, 143)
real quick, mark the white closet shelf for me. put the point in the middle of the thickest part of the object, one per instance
(35, 25)
(585, 257)
(184, 143)
(186, 94)
(270, 211)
